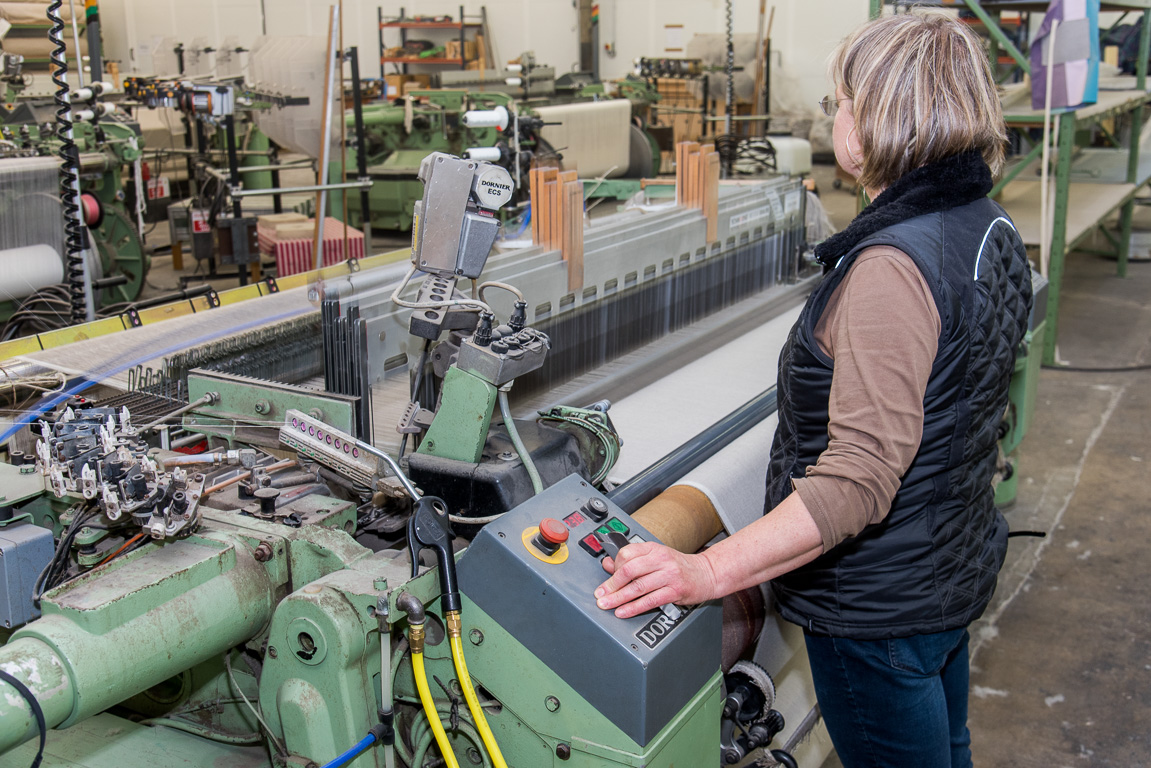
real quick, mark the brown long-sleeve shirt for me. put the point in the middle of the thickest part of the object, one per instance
(881, 326)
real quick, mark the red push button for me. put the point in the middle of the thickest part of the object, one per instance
(592, 545)
(553, 531)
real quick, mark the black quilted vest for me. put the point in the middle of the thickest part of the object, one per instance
(932, 563)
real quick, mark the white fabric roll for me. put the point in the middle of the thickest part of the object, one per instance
(594, 137)
(23, 271)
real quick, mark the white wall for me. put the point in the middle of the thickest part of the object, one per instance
(803, 34)
(549, 27)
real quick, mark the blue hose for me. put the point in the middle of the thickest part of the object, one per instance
(352, 753)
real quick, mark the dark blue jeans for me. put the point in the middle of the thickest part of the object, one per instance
(895, 703)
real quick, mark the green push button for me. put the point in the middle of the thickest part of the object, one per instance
(617, 525)
(603, 531)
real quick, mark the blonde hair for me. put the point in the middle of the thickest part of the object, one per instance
(921, 90)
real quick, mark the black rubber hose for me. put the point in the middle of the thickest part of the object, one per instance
(37, 712)
(74, 240)
(784, 758)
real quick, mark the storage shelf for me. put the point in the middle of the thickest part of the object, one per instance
(1087, 204)
(1017, 109)
(1023, 6)
(429, 60)
(430, 25)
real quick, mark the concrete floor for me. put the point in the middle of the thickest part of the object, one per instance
(1061, 661)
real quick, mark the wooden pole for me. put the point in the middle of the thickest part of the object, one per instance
(325, 140)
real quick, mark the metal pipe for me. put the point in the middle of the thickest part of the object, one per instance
(361, 150)
(222, 175)
(366, 183)
(187, 440)
(168, 298)
(213, 151)
(246, 475)
(76, 44)
(95, 51)
(207, 399)
(404, 481)
(664, 473)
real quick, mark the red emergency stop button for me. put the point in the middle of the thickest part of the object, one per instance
(550, 536)
(553, 531)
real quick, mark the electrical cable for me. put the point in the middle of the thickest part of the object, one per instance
(231, 677)
(473, 304)
(37, 712)
(513, 433)
(127, 544)
(73, 231)
(494, 284)
(243, 740)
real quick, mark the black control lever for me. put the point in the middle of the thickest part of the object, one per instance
(429, 528)
(612, 543)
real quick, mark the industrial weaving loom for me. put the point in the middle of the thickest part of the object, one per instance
(306, 529)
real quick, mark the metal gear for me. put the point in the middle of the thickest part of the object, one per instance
(750, 673)
(121, 252)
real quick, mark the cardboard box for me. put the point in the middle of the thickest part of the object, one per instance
(452, 49)
(417, 83)
(277, 220)
(394, 86)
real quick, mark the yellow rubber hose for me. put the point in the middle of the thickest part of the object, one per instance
(453, 622)
(430, 710)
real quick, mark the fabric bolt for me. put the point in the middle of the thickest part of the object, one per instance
(295, 255)
(872, 693)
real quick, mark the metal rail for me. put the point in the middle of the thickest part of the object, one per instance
(661, 475)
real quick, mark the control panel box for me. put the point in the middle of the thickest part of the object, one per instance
(25, 550)
(534, 571)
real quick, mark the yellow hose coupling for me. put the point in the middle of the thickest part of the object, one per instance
(416, 638)
(454, 623)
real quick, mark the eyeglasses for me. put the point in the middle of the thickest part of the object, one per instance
(830, 105)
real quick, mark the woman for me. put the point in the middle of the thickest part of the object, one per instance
(881, 537)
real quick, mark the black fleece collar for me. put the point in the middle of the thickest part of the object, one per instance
(949, 183)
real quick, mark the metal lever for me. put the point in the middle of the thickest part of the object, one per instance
(613, 543)
(429, 528)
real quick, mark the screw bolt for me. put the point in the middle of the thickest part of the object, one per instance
(272, 651)
(552, 703)
(476, 636)
(263, 407)
(263, 552)
(563, 751)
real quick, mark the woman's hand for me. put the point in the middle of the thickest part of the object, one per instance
(646, 575)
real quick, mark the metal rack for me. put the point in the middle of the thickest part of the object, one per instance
(1090, 185)
(403, 24)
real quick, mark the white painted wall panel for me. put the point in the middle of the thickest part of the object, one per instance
(804, 33)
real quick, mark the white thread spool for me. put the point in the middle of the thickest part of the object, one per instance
(487, 118)
(23, 271)
(483, 154)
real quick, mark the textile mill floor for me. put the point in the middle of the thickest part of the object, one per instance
(1061, 661)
